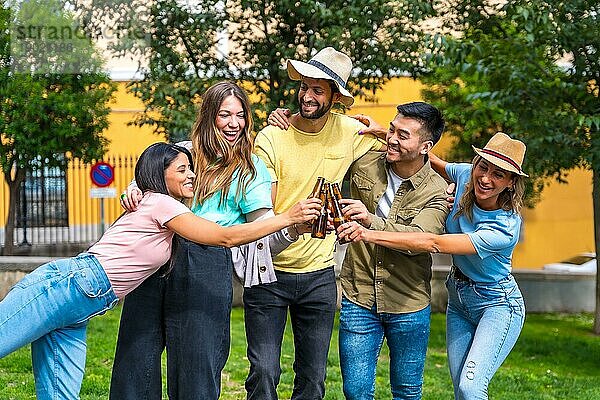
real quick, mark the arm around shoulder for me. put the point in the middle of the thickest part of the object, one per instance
(439, 166)
(185, 144)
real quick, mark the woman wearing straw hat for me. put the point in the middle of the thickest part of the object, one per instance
(485, 307)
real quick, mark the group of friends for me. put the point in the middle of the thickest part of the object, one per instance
(228, 203)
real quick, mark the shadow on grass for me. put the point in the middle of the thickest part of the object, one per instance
(556, 357)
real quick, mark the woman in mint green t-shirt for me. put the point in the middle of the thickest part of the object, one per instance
(187, 311)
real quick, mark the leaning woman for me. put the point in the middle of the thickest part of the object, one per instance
(485, 311)
(50, 308)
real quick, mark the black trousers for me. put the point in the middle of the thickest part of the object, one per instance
(311, 299)
(188, 313)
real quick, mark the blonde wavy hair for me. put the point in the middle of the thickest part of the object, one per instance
(217, 160)
(509, 200)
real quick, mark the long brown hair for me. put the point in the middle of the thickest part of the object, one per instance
(216, 159)
(509, 200)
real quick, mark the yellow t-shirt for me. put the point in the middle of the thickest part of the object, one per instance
(295, 159)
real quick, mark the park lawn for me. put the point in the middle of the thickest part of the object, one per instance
(556, 357)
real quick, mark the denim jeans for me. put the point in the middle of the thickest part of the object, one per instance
(188, 313)
(483, 322)
(50, 309)
(311, 298)
(361, 336)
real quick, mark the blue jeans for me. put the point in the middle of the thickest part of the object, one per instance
(50, 309)
(188, 313)
(361, 336)
(483, 322)
(311, 298)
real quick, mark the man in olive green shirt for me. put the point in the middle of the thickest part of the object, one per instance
(386, 293)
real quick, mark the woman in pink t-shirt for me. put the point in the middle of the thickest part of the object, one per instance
(51, 306)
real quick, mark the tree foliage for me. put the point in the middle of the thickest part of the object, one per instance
(47, 116)
(188, 47)
(531, 69)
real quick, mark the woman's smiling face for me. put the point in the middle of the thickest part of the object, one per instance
(179, 178)
(231, 119)
(488, 182)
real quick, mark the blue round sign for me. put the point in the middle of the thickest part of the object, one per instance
(102, 174)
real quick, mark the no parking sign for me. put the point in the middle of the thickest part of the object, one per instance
(102, 174)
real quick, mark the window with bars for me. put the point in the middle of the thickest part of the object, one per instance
(43, 198)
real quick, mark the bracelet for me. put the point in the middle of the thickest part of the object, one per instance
(296, 230)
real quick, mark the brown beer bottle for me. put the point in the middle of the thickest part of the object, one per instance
(319, 226)
(336, 208)
(336, 191)
(317, 189)
(316, 192)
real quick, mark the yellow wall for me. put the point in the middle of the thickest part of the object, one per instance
(559, 226)
(123, 138)
(125, 142)
(398, 91)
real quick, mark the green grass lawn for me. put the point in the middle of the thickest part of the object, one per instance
(556, 357)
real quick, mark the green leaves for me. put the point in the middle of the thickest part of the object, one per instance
(43, 113)
(188, 49)
(53, 95)
(527, 68)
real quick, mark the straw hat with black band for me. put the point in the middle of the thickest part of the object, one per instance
(504, 152)
(327, 64)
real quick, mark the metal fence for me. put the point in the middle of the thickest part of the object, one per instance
(55, 206)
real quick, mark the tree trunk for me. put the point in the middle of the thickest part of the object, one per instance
(13, 196)
(596, 201)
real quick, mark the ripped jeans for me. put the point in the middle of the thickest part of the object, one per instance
(483, 322)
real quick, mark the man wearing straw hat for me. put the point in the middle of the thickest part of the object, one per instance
(317, 142)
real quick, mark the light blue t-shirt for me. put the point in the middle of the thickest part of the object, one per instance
(494, 234)
(231, 212)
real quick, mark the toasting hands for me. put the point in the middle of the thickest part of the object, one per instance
(355, 210)
(304, 211)
(352, 232)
